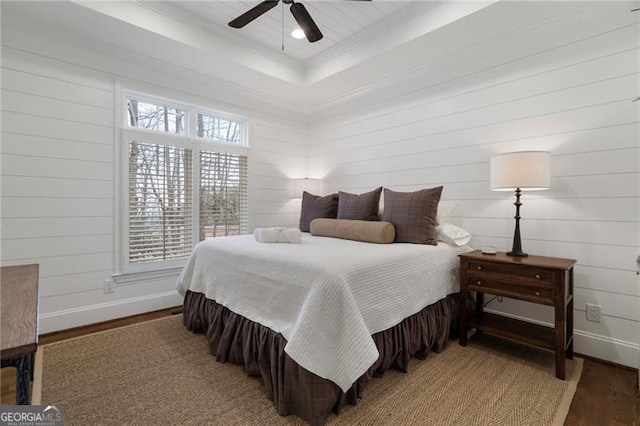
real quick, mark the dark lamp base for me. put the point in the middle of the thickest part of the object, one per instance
(516, 250)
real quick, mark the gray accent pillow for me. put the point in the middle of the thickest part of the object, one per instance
(314, 206)
(359, 207)
(413, 214)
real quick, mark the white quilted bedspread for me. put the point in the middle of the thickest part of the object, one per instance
(326, 296)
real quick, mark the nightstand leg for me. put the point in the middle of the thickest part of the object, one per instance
(23, 373)
(479, 307)
(561, 336)
(479, 303)
(462, 338)
(569, 354)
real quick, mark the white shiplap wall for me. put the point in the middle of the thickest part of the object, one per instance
(58, 167)
(565, 86)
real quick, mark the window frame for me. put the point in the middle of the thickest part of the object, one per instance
(188, 140)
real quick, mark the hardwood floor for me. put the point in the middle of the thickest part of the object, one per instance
(606, 395)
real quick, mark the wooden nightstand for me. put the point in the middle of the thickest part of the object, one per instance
(535, 279)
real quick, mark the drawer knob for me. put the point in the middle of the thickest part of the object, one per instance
(538, 276)
(479, 268)
(537, 293)
(479, 282)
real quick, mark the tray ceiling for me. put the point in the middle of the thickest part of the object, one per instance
(367, 45)
(338, 21)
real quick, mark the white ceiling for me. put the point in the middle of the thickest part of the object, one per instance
(367, 45)
(195, 35)
(337, 20)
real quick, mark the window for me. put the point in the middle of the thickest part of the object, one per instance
(160, 202)
(223, 194)
(218, 128)
(181, 186)
(157, 117)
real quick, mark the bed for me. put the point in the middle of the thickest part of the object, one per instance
(317, 320)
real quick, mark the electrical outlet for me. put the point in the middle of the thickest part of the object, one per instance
(593, 312)
(109, 286)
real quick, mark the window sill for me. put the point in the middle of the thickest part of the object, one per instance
(137, 277)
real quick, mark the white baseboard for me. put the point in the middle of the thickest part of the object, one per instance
(594, 345)
(61, 320)
(606, 348)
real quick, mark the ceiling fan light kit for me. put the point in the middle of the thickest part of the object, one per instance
(299, 12)
(298, 33)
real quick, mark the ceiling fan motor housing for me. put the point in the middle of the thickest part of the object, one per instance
(299, 12)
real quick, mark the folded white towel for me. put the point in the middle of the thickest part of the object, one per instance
(269, 235)
(278, 235)
(292, 235)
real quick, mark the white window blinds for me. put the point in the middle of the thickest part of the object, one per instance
(160, 202)
(223, 194)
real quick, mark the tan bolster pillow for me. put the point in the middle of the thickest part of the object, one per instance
(357, 230)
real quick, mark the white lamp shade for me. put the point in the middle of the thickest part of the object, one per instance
(527, 170)
(298, 186)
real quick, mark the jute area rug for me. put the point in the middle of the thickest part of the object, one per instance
(159, 373)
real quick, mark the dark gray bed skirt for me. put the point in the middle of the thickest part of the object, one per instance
(295, 390)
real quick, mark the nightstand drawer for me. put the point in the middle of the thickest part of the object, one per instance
(522, 272)
(532, 293)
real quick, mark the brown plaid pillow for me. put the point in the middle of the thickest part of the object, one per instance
(314, 206)
(359, 207)
(413, 214)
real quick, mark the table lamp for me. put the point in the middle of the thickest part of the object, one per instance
(520, 171)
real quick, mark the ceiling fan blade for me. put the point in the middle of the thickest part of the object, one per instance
(307, 25)
(253, 13)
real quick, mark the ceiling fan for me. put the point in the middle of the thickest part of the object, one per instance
(299, 12)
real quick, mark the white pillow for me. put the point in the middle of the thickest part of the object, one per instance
(452, 234)
(445, 208)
